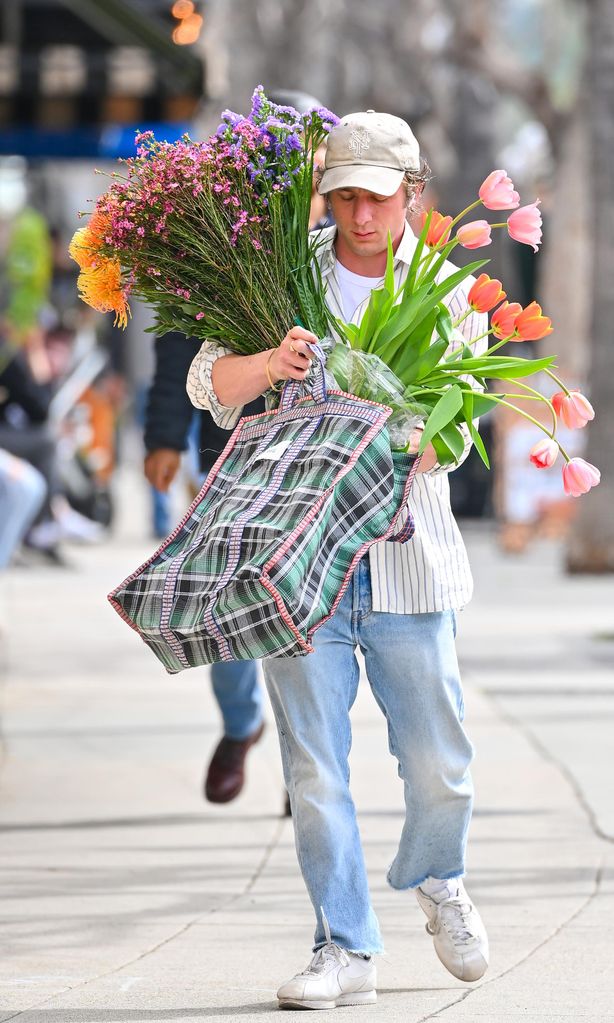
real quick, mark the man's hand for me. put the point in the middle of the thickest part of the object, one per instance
(161, 467)
(429, 457)
(291, 361)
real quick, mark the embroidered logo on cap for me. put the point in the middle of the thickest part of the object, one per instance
(360, 140)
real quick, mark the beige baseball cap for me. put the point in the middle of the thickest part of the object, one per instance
(369, 150)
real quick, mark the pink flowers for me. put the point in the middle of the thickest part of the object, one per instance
(579, 476)
(544, 453)
(497, 192)
(574, 409)
(525, 225)
(474, 235)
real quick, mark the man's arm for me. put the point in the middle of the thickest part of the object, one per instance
(223, 382)
(168, 411)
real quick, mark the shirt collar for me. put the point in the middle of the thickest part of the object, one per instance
(326, 248)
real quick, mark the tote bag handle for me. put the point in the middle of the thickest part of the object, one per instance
(295, 389)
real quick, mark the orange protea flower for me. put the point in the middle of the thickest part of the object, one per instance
(99, 226)
(100, 286)
(87, 241)
(81, 249)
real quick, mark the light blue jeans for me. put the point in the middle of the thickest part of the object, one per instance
(22, 493)
(238, 693)
(413, 673)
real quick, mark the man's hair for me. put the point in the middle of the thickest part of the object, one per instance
(415, 182)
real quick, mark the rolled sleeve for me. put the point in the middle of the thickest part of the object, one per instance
(199, 386)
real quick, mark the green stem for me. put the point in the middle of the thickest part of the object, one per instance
(531, 419)
(474, 341)
(534, 395)
(468, 209)
(462, 318)
(554, 377)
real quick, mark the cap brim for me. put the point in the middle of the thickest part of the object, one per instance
(381, 180)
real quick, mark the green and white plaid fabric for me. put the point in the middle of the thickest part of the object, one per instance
(266, 550)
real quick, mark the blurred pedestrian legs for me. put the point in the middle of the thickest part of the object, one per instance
(22, 494)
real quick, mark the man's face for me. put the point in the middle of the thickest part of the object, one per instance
(364, 219)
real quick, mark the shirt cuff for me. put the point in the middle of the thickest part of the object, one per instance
(200, 388)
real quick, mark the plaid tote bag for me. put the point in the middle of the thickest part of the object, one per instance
(266, 550)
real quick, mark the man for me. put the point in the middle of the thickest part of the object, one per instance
(168, 418)
(400, 609)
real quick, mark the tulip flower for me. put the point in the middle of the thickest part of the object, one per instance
(485, 294)
(531, 325)
(503, 320)
(544, 453)
(525, 225)
(574, 409)
(439, 228)
(579, 476)
(497, 192)
(474, 235)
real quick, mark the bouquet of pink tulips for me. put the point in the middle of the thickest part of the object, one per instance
(439, 377)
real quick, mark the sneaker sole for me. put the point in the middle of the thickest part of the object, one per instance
(357, 998)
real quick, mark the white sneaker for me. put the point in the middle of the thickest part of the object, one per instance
(334, 977)
(459, 936)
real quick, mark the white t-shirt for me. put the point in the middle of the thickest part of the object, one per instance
(354, 289)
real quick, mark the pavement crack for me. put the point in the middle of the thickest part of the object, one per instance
(542, 750)
(529, 955)
(252, 880)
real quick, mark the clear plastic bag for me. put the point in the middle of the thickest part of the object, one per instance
(368, 377)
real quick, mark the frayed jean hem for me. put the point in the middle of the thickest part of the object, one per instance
(379, 951)
(415, 884)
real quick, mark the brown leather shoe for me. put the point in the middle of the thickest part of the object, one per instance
(226, 773)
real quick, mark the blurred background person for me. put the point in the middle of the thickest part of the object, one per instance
(22, 493)
(170, 425)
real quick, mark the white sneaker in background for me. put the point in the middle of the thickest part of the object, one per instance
(75, 526)
(334, 977)
(459, 936)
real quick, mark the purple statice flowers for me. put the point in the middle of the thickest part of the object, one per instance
(284, 139)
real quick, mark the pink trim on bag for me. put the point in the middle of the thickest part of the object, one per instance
(284, 614)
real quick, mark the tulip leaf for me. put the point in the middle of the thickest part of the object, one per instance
(443, 323)
(413, 366)
(444, 412)
(389, 275)
(445, 456)
(499, 366)
(430, 272)
(454, 439)
(470, 411)
(482, 403)
(418, 255)
(435, 294)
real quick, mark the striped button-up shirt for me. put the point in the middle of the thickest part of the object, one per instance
(431, 572)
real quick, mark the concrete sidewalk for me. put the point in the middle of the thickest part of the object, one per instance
(128, 898)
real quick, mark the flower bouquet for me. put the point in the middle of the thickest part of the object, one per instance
(438, 375)
(214, 237)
